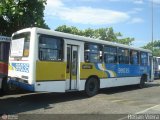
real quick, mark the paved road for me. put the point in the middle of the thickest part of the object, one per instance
(119, 100)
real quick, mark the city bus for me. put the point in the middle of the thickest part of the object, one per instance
(4, 54)
(51, 61)
(156, 67)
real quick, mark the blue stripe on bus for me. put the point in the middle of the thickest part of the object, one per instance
(123, 70)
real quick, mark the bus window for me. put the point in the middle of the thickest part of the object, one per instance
(134, 57)
(123, 56)
(50, 48)
(144, 58)
(110, 54)
(93, 53)
(20, 45)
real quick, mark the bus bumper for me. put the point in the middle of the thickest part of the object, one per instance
(21, 85)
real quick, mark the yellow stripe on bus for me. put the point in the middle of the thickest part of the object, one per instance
(46, 70)
(85, 73)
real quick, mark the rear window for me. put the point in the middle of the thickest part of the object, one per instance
(20, 45)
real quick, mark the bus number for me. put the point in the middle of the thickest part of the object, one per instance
(123, 70)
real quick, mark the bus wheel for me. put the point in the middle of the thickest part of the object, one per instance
(92, 86)
(142, 82)
(0, 91)
(4, 86)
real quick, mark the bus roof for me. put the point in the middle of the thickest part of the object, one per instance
(79, 38)
(4, 39)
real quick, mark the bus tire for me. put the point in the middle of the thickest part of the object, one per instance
(0, 91)
(92, 86)
(142, 82)
(5, 88)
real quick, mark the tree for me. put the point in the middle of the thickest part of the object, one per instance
(19, 14)
(155, 47)
(126, 41)
(107, 34)
(71, 30)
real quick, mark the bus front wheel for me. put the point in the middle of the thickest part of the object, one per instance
(142, 81)
(92, 86)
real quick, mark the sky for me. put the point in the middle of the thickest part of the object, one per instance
(132, 18)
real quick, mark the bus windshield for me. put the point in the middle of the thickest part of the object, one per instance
(20, 45)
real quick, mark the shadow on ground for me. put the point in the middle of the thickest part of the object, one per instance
(23, 101)
(32, 101)
(127, 88)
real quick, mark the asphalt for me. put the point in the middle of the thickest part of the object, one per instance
(110, 103)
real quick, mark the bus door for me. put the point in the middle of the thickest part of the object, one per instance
(72, 67)
(151, 73)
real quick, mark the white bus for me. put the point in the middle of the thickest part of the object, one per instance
(46, 60)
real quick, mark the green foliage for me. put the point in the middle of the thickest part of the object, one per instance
(19, 14)
(155, 46)
(107, 34)
(126, 41)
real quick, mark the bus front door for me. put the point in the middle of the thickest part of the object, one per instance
(72, 67)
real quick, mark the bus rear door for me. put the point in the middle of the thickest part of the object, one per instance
(73, 65)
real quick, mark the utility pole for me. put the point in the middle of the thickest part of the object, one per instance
(152, 27)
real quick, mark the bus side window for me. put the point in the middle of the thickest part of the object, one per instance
(110, 54)
(86, 52)
(134, 57)
(144, 58)
(92, 53)
(123, 56)
(50, 48)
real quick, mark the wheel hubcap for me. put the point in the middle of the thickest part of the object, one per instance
(91, 86)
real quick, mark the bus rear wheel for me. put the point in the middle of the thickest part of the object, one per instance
(92, 86)
(4, 89)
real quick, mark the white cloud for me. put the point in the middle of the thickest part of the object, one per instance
(138, 1)
(143, 1)
(136, 20)
(114, 0)
(88, 15)
(84, 15)
(85, 0)
(54, 4)
(131, 1)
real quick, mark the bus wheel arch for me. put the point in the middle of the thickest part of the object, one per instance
(92, 85)
(143, 80)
